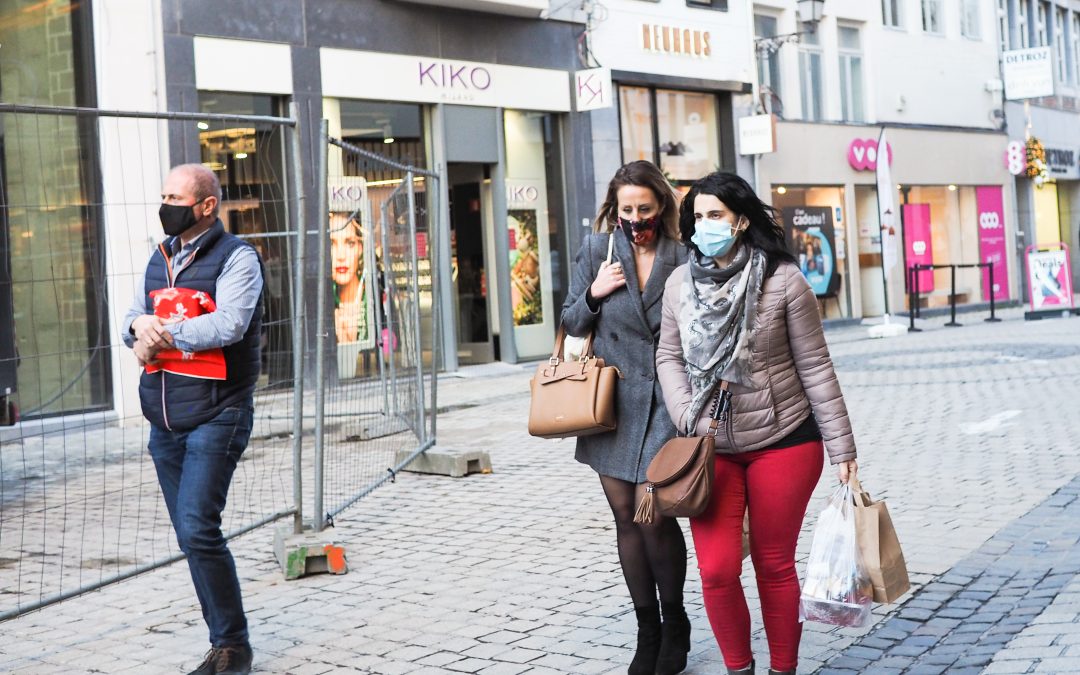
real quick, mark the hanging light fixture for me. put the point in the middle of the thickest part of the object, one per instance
(808, 13)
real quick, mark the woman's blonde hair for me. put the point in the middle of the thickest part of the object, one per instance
(641, 174)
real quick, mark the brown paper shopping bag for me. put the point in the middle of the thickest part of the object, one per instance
(879, 546)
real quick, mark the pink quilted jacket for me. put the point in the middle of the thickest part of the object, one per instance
(792, 372)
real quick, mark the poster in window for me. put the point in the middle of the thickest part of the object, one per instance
(525, 296)
(809, 230)
(350, 265)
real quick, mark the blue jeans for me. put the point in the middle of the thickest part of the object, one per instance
(194, 471)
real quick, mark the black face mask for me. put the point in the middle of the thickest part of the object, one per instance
(177, 219)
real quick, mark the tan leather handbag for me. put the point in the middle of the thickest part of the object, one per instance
(573, 398)
(680, 476)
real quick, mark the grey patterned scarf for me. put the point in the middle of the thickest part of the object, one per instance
(717, 317)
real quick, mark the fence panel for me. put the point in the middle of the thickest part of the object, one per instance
(380, 393)
(79, 192)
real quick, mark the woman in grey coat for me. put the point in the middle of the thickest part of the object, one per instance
(620, 303)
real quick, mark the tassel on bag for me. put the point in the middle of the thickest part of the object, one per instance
(644, 513)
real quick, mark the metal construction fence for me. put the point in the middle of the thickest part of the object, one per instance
(79, 191)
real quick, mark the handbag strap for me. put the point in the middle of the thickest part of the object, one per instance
(560, 340)
(610, 245)
(720, 406)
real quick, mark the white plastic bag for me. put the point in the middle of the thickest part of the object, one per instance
(837, 589)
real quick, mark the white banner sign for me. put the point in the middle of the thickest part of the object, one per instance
(1029, 73)
(757, 135)
(394, 77)
(593, 89)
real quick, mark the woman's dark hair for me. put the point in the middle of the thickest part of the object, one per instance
(641, 174)
(764, 231)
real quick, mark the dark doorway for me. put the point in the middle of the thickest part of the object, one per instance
(469, 262)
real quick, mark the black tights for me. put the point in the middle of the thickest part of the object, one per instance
(652, 556)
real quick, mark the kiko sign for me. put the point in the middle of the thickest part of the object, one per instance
(420, 79)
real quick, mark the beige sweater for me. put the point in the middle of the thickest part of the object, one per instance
(792, 372)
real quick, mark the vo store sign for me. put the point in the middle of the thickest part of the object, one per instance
(863, 153)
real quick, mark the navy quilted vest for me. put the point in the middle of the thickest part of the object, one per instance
(182, 403)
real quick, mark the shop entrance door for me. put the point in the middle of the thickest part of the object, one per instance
(469, 262)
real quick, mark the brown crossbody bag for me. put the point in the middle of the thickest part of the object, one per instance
(679, 479)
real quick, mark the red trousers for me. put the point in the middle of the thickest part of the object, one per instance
(776, 485)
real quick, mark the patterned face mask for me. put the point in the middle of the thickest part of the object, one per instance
(640, 232)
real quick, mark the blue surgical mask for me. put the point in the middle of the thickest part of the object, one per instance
(713, 238)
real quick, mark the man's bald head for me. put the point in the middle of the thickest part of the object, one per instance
(192, 183)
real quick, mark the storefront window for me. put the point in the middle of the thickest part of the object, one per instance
(536, 227)
(248, 160)
(689, 146)
(394, 131)
(54, 326)
(816, 228)
(636, 123)
(685, 141)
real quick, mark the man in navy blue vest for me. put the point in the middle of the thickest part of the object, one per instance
(195, 328)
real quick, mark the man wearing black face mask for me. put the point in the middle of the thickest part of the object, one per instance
(194, 327)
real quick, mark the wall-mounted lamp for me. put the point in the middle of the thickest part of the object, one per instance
(808, 12)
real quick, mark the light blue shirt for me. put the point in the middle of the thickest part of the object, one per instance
(238, 290)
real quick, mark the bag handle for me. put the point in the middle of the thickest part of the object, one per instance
(610, 245)
(560, 340)
(860, 496)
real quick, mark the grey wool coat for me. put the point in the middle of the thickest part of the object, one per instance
(626, 330)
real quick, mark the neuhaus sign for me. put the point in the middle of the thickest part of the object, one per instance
(421, 79)
(660, 39)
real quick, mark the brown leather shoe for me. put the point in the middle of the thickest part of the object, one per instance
(229, 660)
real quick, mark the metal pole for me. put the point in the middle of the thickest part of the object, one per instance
(299, 261)
(417, 336)
(913, 299)
(436, 307)
(391, 281)
(993, 292)
(952, 297)
(918, 300)
(321, 334)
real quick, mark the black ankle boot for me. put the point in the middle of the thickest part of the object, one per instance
(648, 641)
(674, 640)
(749, 670)
(781, 672)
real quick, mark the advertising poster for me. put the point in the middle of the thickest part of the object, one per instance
(918, 244)
(810, 231)
(988, 202)
(525, 297)
(1049, 283)
(351, 271)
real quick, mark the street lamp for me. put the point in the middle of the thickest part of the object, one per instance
(809, 14)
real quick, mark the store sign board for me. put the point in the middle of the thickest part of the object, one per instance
(862, 154)
(592, 88)
(809, 229)
(676, 40)
(1063, 162)
(757, 135)
(918, 243)
(990, 207)
(1049, 279)
(349, 73)
(1029, 73)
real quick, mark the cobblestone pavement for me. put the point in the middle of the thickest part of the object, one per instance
(968, 432)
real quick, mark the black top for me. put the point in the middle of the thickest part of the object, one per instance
(807, 432)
